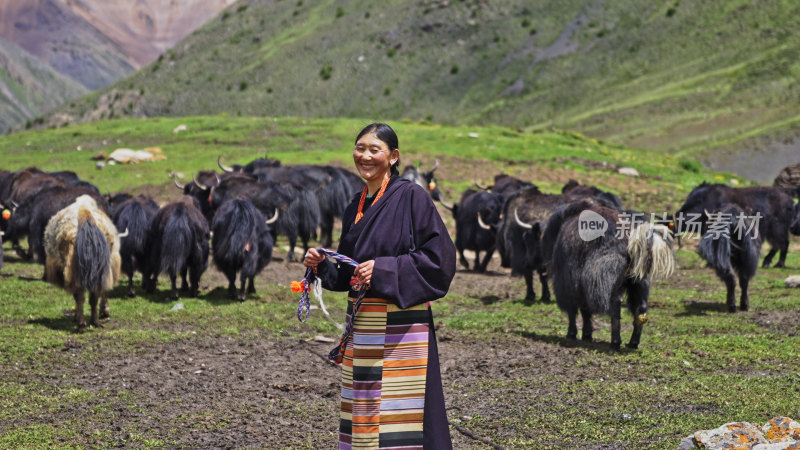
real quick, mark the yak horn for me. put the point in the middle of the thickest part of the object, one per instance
(480, 186)
(481, 223)
(202, 187)
(2, 233)
(450, 207)
(708, 214)
(222, 166)
(435, 165)
(180, 186)
(527, 226)
(218, 180)
(274, 218)
(14, 204)
(125, 234)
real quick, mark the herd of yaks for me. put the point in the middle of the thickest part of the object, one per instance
(593, 249)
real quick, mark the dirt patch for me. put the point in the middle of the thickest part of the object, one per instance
(782, 322)
(225, 392)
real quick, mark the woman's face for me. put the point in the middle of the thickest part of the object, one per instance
(374, 158)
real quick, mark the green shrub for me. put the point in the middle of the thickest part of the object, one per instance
(326, 72)
(339, 12)
(526, 22)
(390, 53)
(454, 69)
(243, 85)
(690, 166)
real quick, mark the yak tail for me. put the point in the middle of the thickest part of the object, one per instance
(135, 220)
(650, 252)
(176, 241)
(233, 225)
(305, 208)
(337, 195)
(715, 248)
(92, 254)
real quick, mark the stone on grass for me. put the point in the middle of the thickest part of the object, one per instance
(793, 281)
(779, 433)
(629, 171)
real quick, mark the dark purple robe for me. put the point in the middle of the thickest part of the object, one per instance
(415, 261)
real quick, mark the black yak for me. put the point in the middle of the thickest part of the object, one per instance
(731, 247)
(519, 238)
(607, 199)
(177, 243)
(132, 216)
(593, 265)
(772, 203)
(297, 209)
(332, 187)
(82, 247)
(506, 185)
(477, 217)
(241, 242)
(427, 180)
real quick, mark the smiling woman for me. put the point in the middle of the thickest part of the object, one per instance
(391, 383)
(376, 155)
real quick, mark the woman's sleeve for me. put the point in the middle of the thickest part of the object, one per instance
(425, 272)
(335, 276)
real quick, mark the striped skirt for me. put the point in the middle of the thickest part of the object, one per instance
(383, 377)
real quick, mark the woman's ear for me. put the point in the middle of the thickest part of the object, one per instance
(394, 157)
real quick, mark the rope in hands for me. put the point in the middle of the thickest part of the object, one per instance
(312, 283)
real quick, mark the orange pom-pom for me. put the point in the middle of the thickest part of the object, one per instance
(6, 214)
(432, 185)
(297, 286)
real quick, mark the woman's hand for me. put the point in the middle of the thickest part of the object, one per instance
(364, 271)
(312, 258)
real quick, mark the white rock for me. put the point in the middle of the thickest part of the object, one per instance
(177, 307)
(100, 165)
(793, 281)
(179, 128)
(473, 135)
(629, 171)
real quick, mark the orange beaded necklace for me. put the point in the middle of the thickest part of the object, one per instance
(360, 212)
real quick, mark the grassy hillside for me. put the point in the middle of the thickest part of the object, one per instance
(218, 373)
(703, 80)
(29, 87)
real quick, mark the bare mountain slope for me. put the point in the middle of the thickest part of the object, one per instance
(146, 28)
(29, 87)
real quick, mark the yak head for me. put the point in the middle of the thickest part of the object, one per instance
(491, 211)
(526, 242)
(425, 179)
